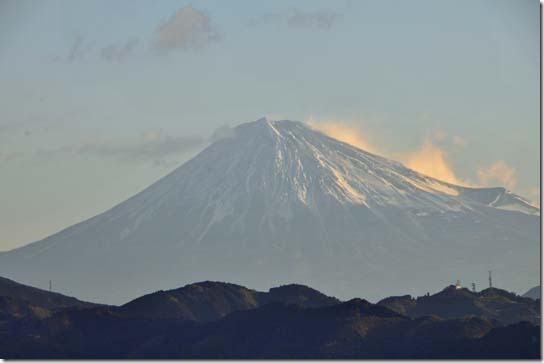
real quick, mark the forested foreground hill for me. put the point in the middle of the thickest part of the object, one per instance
(221, 320)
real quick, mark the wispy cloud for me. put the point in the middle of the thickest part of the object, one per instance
(187, 29)
(222, 132)
(431, 159)
(119, 51)
(458, 141)
(498, 172)
(434, 157)
(151, 146)
(37, 123)
(323, 19)
(9, 156)
(78, 50)
(349, 133)
(533, 193)
(320, 19)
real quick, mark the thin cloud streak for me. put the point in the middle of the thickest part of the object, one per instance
(78, 50)
(149, 146)
(323, 19)
(120, 51)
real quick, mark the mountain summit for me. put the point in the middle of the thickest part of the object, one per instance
(276, 202)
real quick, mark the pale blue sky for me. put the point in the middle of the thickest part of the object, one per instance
(92, 110)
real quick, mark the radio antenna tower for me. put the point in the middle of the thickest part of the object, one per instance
(50, 285)
(490, 280)
(473, 287)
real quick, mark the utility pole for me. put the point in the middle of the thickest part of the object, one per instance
(490, 280)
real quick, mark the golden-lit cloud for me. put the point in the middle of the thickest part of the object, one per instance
(346, 132)
(433, 157)
(429, 158)
(498, 172)
(432, 160)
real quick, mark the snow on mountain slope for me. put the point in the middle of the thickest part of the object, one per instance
(500, 198)
(277, 202)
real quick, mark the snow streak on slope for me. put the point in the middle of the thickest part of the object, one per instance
(286, 163)
(277, 202)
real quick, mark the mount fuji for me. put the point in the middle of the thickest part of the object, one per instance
(277, 202)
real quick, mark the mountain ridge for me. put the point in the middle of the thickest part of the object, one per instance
(319, 327)
(276, 193)
(39, 297)
(533, 293)
(208, 300)
(451, 302)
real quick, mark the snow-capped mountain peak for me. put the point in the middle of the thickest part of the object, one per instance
(277, 202)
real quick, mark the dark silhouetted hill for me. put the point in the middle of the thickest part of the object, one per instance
(207, 301)
(221, 320)
(38, 297)
(14, 309)
(491, 303)
(299, 295)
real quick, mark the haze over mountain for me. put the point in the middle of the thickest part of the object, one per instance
(276, 202)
